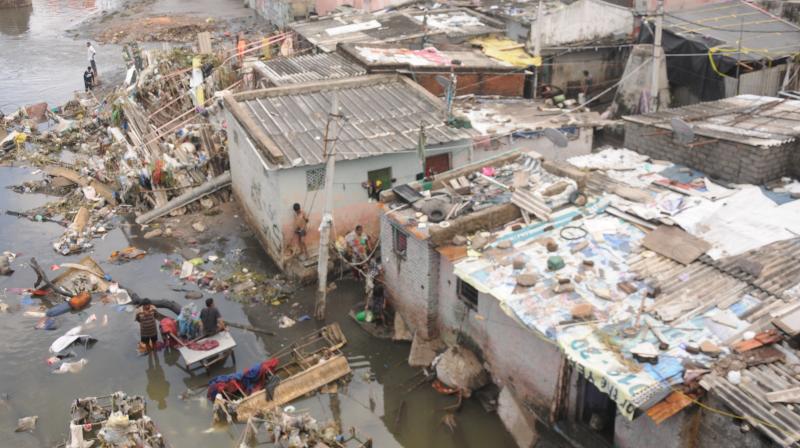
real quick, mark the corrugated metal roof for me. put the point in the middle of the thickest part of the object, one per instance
(307, 68)
(763, 35)
(329, 31)
(749, 119)
(779, 421)
(381, 115)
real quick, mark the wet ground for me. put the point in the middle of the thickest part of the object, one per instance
(379, 400)
(38, 62)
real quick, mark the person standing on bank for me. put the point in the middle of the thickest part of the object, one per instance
(211, 319)
(148, 319)
(88, 79)
(90, 54)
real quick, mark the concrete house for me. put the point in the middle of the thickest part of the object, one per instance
(745, 139)
(589, 318)
(410, 28)
(276, 139)
(570, 38)
(305, 68)
(477, 73)
(714, 33)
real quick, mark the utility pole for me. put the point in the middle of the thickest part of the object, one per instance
(657, 54)
(327, 215)
(739, 57)
(536, 35)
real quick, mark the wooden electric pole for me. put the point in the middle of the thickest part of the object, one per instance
(331, 134)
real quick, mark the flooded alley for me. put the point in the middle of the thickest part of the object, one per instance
(359, 224)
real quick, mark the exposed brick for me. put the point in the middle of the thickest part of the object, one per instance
(729, 161)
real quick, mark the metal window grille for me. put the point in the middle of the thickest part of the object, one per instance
(315, 179)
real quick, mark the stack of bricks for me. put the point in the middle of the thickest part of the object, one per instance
(726, 160)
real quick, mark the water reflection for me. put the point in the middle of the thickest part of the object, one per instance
(15, 21)
(157, 384)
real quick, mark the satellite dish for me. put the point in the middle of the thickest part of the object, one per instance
(444, 82)
(683, 130)
(557, 137)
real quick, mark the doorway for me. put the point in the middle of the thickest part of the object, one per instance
(384, 175)
(437, 164)
(596, 410)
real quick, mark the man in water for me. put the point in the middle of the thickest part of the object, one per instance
(88, 79)
(211, 319)
(90, 53)
(148, 319)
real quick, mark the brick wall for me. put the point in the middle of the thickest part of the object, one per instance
(725, 160)
(411, 280)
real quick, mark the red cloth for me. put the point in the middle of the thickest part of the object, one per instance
(208, 344)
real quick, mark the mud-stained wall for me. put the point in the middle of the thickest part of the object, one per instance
(257, 189)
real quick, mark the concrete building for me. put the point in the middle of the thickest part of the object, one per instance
(515, 124)
(571, 39)
(745, 139)
(714, 33)
(476, 73)
(567, 304)
(305, 68)
(408, 28)
(276, 142)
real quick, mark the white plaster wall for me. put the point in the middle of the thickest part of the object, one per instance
(583, 21)
(350, 201)
(516, 356)
(256, 187)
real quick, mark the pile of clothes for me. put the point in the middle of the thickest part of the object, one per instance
(255, 378)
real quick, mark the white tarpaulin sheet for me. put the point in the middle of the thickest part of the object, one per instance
(744, 221)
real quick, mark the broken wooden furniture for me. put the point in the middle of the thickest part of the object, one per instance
(114, 420)
(306, 365)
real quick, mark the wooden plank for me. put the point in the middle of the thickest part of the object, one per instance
(73, 176)
(294, 387)
(204, 42)
(676, 244)
(253, 128)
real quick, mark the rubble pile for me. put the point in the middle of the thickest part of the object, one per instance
(144, 143)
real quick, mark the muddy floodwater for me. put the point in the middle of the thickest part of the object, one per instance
(376, 401)
(40, 62)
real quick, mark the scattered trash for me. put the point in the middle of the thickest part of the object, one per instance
(285, 322)
(27, 424)
(72, 367)
(127, 254)
(69, 338)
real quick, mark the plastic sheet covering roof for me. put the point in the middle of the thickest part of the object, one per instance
(382, 115)
(388, 57)
(307, 68)
(505, 50)
(748, 119)
(458, 22)
(327, 32)
(706, 301)
(765, 36)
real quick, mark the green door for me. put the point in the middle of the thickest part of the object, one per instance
(384, 175)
